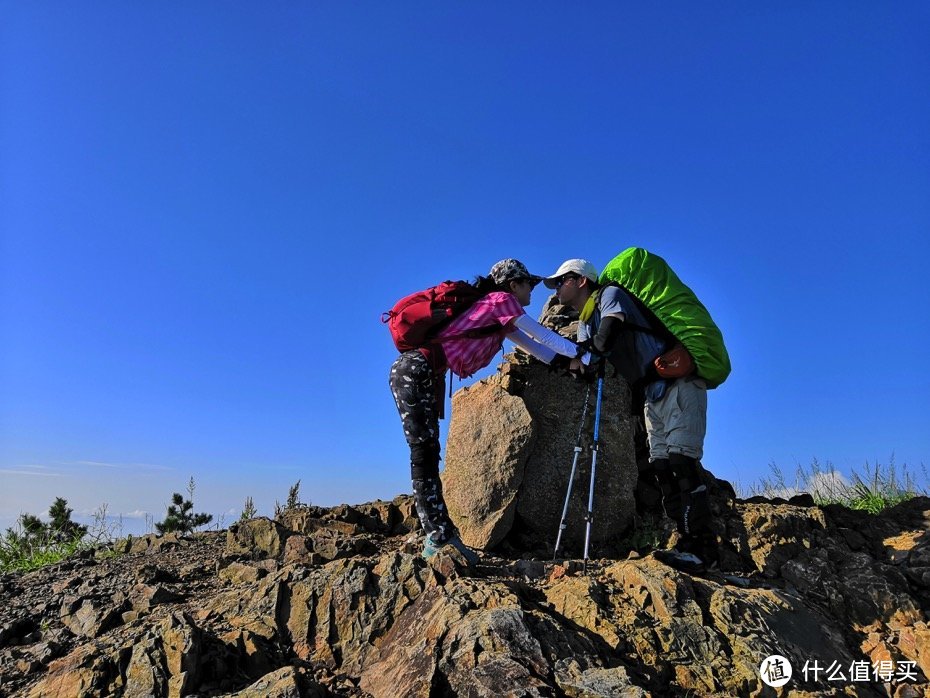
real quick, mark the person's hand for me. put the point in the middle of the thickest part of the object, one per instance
(582, 372)
(583, 347)
(560, 363)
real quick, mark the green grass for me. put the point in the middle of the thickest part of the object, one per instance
(876, 488)
(22, 551)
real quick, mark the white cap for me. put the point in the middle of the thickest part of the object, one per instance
(582, 267)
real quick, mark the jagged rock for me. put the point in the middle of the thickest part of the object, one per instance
(162, 662)
(81, 673)
(595, 682)
(248, 607)
(143, 597)
(558, 317)
(867, 593)
(408, 512)
(324, 545)
(299, 550)
(343, 519)
(151, 574)
(772, 535)
(914, 643)
(508, 461)
(27, 666)
(89, 617)
(257, 538)
(46, 651)
(458, 641)
(530, 569)
(331, 545)
(255, 656)
(392, 517)
(240, 573)
(182, 646)
(122, 546)
(802, 500)
(64, 585)
(152, 542)
(283, 683)
(332, 613)
(12, 632)
(386, 623)
(489, 442)
(682, 628)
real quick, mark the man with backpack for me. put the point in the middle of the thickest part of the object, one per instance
(620, 329)
(461, 327)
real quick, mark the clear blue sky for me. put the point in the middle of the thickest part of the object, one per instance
(205, 207)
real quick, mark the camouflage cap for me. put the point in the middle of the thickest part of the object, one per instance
(511, 270)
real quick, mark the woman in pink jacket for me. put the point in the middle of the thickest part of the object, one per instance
(417, 379)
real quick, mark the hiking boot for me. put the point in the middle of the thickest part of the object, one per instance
(703, 545)
(685, 562)
(454, 547)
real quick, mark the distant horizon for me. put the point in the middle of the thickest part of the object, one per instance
(140, 522)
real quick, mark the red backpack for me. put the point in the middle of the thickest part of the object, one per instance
(416, 319)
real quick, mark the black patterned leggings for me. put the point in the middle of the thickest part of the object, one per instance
(413, 386)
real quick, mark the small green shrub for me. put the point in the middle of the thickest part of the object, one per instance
(646, 535)
(248, 510)
(293, 501)
(180, 517)
(34, 543)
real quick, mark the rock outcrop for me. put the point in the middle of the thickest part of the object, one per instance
(509, 454)
(337, 602)
(510, 449)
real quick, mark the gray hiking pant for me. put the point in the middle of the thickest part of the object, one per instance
(677, 423)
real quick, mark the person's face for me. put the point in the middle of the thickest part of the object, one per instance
(522, 289)
(568, 290)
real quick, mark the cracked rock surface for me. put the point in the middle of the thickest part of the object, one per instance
(337, 602)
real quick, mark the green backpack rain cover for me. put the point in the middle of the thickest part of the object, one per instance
(648, 277)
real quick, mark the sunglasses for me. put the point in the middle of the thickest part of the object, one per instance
(525, 280)
(567, 277)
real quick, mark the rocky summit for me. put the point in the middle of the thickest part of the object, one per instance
(338, 602)
(807, 601)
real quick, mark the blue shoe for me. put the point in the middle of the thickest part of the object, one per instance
(452, 546)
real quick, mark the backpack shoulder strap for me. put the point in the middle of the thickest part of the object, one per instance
(654, 326)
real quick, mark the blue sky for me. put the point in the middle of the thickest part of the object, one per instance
(205, 207)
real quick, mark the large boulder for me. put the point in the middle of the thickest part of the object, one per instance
(509, 453)
(487, 450)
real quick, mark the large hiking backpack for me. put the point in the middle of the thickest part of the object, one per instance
(416, 319)
(650, 280)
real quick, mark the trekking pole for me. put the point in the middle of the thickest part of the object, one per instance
(594, 446)
(571, 478)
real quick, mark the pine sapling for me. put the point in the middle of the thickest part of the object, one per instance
(180, 517)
